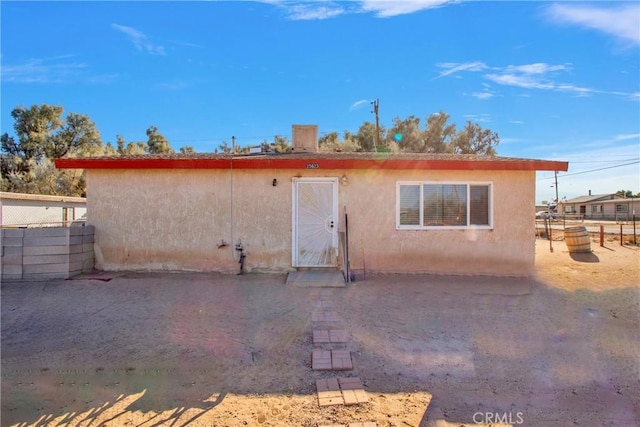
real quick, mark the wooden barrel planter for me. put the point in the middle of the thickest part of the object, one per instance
(577, 239)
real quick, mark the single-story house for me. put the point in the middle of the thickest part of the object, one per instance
(407, 213)
(37, 210)
(611, 207)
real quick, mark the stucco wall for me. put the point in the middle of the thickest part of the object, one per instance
(177, 219)
(376, 245)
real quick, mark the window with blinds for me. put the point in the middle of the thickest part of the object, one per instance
(425, 205)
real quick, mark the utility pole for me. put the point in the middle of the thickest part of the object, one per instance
(555, 175)
(376, 105)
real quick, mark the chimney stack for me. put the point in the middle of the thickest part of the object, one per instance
(305, 138)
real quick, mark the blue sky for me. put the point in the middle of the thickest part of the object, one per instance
(554, 80)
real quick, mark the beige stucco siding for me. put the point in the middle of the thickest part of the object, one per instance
(152, 219)
(376, 245)
(176, 219)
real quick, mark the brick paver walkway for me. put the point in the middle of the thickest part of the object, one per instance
(325, 316)
(331, 360)
(333, 336)
(340, 390)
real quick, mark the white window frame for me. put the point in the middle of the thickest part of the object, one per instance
(489, 184)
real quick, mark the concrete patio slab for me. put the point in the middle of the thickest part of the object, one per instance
(316, 278)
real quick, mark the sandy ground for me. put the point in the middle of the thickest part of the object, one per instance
(561, 348)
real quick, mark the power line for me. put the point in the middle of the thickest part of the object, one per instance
(593, 170)
(604, 161)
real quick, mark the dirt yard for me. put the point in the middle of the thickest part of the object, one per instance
(558, 349)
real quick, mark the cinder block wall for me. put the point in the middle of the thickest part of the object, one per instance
(46, 253)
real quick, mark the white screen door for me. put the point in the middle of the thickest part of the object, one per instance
(315, 225)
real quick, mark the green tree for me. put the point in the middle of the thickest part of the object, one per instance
(331, 142)
(109, 150)
(406, 133)
(328, 138)
(438, 134)
(626, 193)
(367, 136)
(120, 144)
(157, 143)
(187, 149)
(41, 135)
(281, 144)
(473, 139)
(77, 136)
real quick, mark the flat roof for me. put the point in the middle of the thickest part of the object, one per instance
(307, 160)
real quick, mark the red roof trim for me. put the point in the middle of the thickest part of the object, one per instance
(310, 163)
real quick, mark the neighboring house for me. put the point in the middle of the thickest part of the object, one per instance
(611, 207)
(407, 213)
(36, 210)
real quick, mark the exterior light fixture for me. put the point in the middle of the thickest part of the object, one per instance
(274, 182)
(345, 181)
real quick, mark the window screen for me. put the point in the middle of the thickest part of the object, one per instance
(410, 204)
(445, 204)
(431, 205)
(479, 212)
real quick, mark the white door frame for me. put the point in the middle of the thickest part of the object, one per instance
(334, 218)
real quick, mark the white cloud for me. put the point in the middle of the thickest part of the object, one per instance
(358, 104)
(140, 40)
(324, 9)
(388, 8)
(536, 68)
(306, 12)
(626, 136)
(487, 93)
(622, 22)
(537, 75)
(483, 95)
(519, 80)
(43, 70)
(453, 67)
